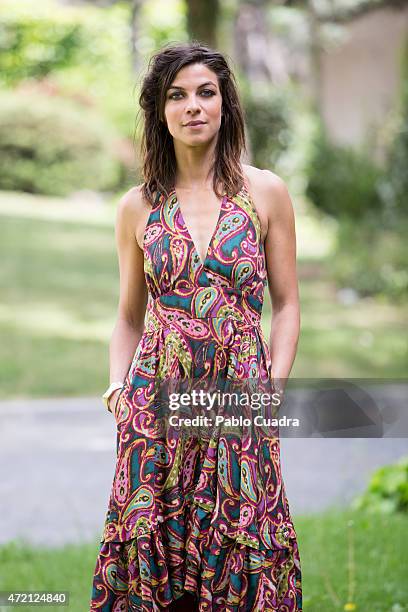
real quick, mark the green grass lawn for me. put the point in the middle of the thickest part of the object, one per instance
(354, 557)
(60, 287)
(345, 557)
(367, 339)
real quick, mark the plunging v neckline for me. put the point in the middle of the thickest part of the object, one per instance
(207, 254)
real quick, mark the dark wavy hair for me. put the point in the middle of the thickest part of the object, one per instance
(157, 149)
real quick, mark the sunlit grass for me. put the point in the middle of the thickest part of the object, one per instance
(60, 287)
(86, 209)
(31, 568)
(353, 557)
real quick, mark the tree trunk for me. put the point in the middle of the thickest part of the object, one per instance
(136, 7)
(202, 19)
(315, 58)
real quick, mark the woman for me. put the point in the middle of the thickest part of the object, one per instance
(199, 523)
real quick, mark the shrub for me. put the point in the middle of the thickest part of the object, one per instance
(387, 491)
(371, 250)
(81, 48)
(51, 147)
(342, 182)
(371, 256)
(267, 118)
(396, 188)
(33, 46)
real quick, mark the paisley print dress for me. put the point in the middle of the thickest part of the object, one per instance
(206, 515)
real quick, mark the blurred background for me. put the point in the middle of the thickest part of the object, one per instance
(324, 86)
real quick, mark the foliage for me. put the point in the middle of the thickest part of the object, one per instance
(267, 117)
(371, 255)
(48, 146)
(397, 168)
(33, 45)
(387, 491)
(396, 186)
(166, 21)
(342, 181)
(84, 51)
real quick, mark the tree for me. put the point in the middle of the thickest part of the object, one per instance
(202, 19)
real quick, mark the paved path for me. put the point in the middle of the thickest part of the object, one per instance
(57, 460)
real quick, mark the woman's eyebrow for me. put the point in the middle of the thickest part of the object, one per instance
(202, 85)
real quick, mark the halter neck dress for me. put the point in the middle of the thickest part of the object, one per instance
(208, 516)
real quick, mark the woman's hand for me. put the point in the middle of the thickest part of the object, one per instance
(114, 402)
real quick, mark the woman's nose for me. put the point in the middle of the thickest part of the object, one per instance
(192, 103)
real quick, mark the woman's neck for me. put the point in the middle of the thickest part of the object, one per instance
(194, 167)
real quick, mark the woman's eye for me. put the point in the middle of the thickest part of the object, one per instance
(205, 91)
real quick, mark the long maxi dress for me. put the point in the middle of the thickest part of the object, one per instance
(207, 515)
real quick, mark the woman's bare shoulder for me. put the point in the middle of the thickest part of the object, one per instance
(131, 201)
(270, 191)
(262, 179)
(267, 191)
(132, 211)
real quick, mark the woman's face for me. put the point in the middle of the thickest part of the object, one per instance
(194, 96)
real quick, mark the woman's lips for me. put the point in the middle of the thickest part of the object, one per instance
(195, 127)
(195, 124)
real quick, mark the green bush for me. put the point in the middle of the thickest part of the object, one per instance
(371, 256)
(49, 146)
(82, 50)
(33, 46)
(371, 249)
(396, 187)
(387, 491)
(342, 182)
(398, 174)
(267, 117)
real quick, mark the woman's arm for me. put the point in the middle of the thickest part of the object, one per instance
(133, 291)
(280, 251)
